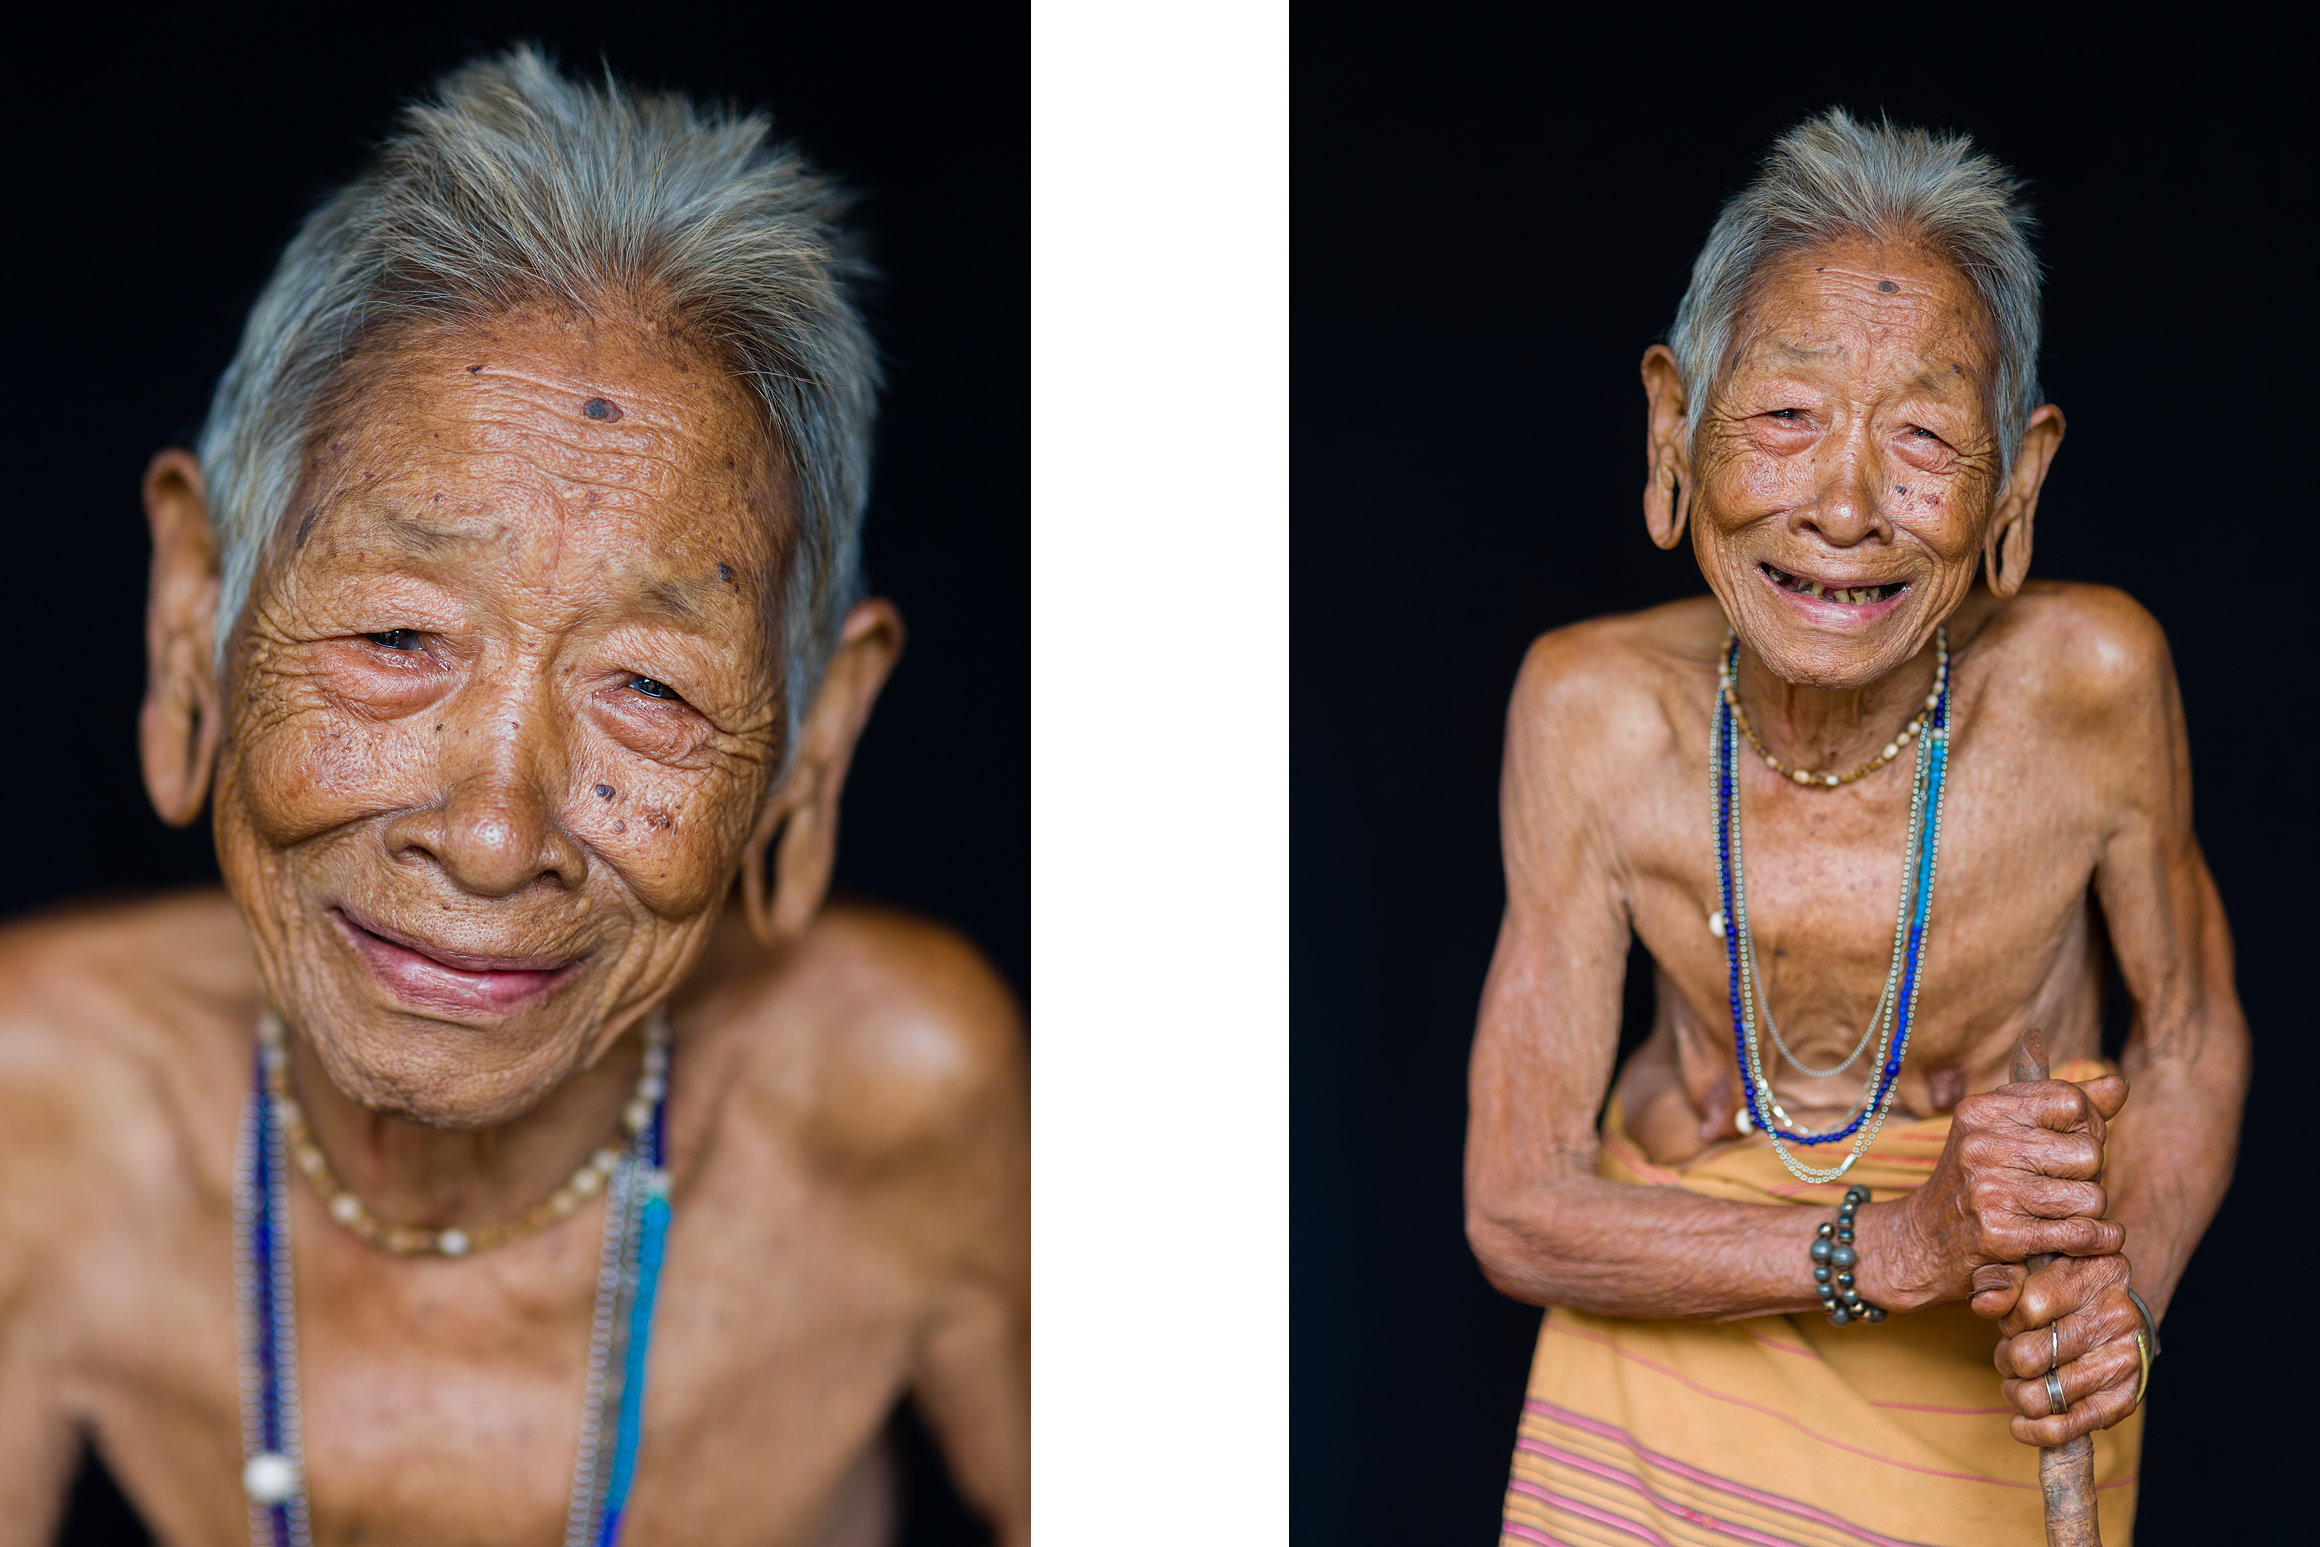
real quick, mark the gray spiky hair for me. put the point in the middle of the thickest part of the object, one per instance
(1832, 178)
(513, 185)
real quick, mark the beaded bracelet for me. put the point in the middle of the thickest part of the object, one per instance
(1834, 1256)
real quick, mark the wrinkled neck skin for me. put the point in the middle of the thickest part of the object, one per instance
(1833, 730)
(410, 1173)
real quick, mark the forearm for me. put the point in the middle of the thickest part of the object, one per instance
(1622, 1249)
(2170, 1158)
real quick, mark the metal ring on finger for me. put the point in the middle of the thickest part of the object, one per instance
(2061, 1403)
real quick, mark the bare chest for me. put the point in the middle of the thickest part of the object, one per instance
(442, 1401)
(2008, 938)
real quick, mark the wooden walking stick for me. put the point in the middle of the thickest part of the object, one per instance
(2065, 1472)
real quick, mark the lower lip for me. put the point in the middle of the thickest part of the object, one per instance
(1832, 614)
(423, 983)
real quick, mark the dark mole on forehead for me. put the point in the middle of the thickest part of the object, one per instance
(1887, 285)
(471, 370)
(597, 408)
(725, 572)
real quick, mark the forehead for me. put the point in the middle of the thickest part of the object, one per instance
(1889, 306)
(593, 457)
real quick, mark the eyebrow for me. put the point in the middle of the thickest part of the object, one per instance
(679, 596)
(423, 540)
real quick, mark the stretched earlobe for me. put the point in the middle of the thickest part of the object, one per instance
(2006, 555)
(1666, 506)
(789, 857)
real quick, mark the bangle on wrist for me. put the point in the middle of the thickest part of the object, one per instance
(2146, 1345)
(1834, 1257)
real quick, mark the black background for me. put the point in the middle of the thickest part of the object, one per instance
(1494, 214)
(155, 170)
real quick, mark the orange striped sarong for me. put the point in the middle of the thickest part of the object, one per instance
(1783, 1429)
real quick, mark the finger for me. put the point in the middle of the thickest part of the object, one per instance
(2095, 1296)
(2058, 1105)
(2097, 1410)
(2031, 1349)
(2077, 1236)
(1996, 1287)
(2097, 1378)
(2056, 1198)
(2108, 1095)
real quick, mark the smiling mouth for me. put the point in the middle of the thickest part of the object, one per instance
(1851, 596)
(433, 977)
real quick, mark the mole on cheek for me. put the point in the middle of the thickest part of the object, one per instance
(604, 791)
(1887, 286)
(598, 408)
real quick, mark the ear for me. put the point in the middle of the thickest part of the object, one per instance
(178, 724)
(2006, 546)
(799, 824)
(1667, 448)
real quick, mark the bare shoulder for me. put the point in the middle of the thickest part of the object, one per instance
(94, 984)
(1600, 695)
(122, 1024)
(877, 1039)
(2089, 656)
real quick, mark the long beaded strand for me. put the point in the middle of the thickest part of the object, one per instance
(1923, 846)
(1728, 689)
(636, 1229)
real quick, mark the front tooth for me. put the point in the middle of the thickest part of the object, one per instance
(1816, 588)
(1849, 597)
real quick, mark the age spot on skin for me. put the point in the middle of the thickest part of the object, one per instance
(471, 370)
(604, 791)
(598, 408)
(620, 827)
(1887, 286)
(725, 572)
(659, 819)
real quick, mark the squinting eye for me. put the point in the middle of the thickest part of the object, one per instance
(395, 639)
(651, 689)
(1790, 414)
(1920, 430)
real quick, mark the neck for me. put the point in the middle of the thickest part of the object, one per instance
(411, 1174)
(1830, 730)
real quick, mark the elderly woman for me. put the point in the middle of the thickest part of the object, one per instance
(476, 1169)
(1782, 1268)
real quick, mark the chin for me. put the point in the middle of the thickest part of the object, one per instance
(441, 1082)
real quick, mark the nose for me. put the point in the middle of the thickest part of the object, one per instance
(498, 827)
(1845, 509)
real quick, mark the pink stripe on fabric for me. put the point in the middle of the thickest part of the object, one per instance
(1528, 1534)
(1798, 1349)
(1684, 1512)
(1705, 1479)
(1602, 1517)
(1556, 1327)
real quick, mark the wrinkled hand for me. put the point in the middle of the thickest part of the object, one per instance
(2077, 1307)
(2021, 1174)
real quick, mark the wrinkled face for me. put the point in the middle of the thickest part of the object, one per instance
(503, 710)
(1846, 465)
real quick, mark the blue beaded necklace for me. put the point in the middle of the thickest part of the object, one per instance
(628, 1279)
(1898, 1009)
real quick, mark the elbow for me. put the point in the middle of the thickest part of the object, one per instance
(1504, 1240)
